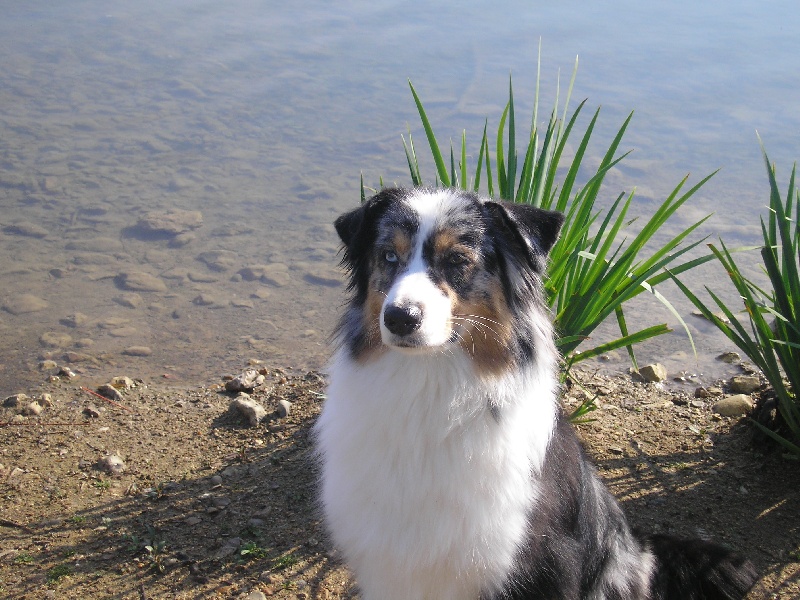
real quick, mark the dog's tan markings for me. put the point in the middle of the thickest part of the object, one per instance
(372, 345)
(402, 243)
(482, 322)
(443, 240)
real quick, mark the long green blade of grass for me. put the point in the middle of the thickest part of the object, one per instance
(437, 154)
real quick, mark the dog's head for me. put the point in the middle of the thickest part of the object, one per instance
(432, 270)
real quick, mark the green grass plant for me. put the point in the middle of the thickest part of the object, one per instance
(57, 572)
(768, 331)
(597, 265)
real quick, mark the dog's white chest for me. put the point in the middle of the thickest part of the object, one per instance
(426, 488)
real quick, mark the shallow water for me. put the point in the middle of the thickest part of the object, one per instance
(261, 117)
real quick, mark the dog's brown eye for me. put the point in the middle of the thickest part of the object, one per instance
(456, 259)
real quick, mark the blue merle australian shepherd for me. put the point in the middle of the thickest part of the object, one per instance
(448, 470)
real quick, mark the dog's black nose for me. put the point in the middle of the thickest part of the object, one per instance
(402, 320)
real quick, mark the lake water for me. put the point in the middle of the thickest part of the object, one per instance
(262, 115)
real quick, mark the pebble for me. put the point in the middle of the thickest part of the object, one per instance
(137, 351)
(110, 392)
(228, 548)
(112, 464)
(139, 281)
(215, 480)
(122, 382)
(220, 502)
(248, 407)
(733, 406)
(91, 412)
(47, 365)
(15, 400)
(284, 407)
(256, 595)
(707, 392)
(244, 382)
(744, 384)
(653, 373)
(33, 409)
(24, 303)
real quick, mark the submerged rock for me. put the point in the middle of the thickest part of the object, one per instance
(26, 229)
(96, 244)
(218, 260)
(138, 281)
(172, 221)
(129, 300)
(24, 303)
(74, 320)
(55, 339)
(138, 351)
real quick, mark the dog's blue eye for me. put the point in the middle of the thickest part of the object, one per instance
(391, 257)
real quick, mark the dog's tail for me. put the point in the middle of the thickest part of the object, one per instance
(695, 569)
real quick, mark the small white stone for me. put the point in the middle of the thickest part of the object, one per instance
(251, 409)
(284, 408)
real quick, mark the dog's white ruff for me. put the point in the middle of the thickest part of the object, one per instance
(427, 486)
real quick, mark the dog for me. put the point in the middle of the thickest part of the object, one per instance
(448, 471)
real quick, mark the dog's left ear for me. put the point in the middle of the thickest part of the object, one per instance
(535, 228)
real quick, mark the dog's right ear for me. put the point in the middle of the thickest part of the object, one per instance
(349, 224)
(352, 226)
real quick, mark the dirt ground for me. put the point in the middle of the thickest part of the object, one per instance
(207, 506)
